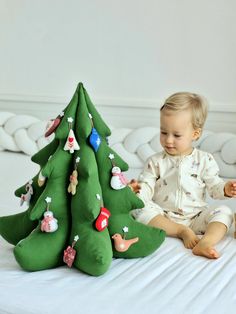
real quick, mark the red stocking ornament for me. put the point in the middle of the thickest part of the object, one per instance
(102, 219)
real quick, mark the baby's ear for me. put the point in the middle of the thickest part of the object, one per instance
(197, 133)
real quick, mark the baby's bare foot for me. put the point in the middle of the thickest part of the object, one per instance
(189, 238)
(203, 248)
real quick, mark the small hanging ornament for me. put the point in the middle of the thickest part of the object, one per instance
(29, 192)
(94, 138)
(71, 143)
(53, 124)
(118, 180)
(70, 252)
(102, 220)
(49, 223)
(41, 179)
(73, 179)
(121, 244)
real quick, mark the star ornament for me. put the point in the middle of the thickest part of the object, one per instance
(48, 199)
(98, 197)
(125, 229)
(70, 119)
(111, 156)
(76, 238)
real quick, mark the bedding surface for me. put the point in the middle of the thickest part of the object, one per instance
(171, 280)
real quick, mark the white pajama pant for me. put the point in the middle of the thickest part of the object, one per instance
(198, 223)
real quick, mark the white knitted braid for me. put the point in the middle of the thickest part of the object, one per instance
(23, 133)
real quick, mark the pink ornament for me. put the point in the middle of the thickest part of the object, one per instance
(69, 256)
(70, 252)
(49, 223)
(122, 245)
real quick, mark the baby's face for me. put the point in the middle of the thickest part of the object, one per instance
(177, 132)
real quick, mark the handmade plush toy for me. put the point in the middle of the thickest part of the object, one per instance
(73, 182)
(14, 228)
(77, 213)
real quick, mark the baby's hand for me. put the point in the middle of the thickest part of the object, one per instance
(230, 189)
(134, 185)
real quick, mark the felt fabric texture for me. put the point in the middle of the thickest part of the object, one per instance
(14, 228)
(77, 214)
(94, 248)
(41, 250)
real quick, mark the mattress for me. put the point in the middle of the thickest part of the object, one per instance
(171, 280)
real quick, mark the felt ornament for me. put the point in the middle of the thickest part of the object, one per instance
(70, 252)
(118, 180)
(29, 192)
(53, 124)
(16, 227)
(120, 243)
(73, 182)
(73, 179)
(102, 219)
(41, 250)
(71, 143)
(41, 179)
(49, 223)
(94, 138)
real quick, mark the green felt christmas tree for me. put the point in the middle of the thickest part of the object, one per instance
(80, 203)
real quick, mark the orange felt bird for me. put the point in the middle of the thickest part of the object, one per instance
(122, 245)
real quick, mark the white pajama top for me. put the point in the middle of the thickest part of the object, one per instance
(178, 184)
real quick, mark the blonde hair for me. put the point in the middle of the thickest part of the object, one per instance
(188, 101)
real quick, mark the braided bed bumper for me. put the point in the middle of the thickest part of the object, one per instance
(24, 133)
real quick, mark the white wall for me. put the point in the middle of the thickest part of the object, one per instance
(130, 54)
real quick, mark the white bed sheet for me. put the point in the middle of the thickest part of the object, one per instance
(171, 280)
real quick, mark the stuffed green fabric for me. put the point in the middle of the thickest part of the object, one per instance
(43, 248)
(94, 248)
(119, 201)
(79, 210)
(14, 228)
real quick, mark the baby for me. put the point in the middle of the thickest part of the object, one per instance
(174, 182)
